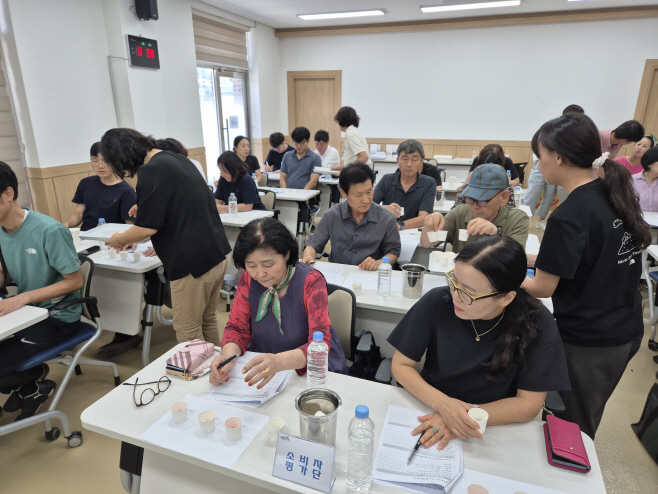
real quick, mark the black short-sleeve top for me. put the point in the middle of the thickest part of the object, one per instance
(245, 191)
(252, 164)
(110, 202)
(455, 363)
(509, 166)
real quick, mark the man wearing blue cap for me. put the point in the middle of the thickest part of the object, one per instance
(485, 212)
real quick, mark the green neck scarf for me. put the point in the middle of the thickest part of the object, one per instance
(272, 295)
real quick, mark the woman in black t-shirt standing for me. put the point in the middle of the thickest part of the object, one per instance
(234, 179)
(486, 342)
(242, 147)
(589, 262)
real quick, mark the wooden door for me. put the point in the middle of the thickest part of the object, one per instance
(646, 111)
(314, 97)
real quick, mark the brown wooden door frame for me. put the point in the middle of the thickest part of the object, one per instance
(337, 75)
(650, 71)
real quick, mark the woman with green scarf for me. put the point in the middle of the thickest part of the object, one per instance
(279, 304)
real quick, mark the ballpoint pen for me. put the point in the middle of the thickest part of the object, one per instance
(415, 450)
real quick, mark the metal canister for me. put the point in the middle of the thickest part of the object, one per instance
(318, 411)
(412, 280)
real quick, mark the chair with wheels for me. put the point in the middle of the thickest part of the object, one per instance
(66, 354)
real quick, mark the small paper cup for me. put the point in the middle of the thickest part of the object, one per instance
(137, 256)
(463, 235)
(401, 211)
(356, 287)
(113, 254)
(207, 421)
(233, 428)
(480, 416)
(124, 256)
(274, 426)
(179, 412)
(442, 235)
(452, 181)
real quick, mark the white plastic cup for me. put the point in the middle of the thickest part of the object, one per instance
(113, 254)
(137, 256)
(274, 426)
(123, 255)
(452, 181)
(401, 211)
(481, 416)
(463, 235)
(179, 412)
(442, 235)
(356, 287)
(207, 421)
(433, 236)
(233, 428)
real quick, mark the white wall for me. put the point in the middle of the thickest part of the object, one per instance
(498, 83)
(61, 51)
(264, 81)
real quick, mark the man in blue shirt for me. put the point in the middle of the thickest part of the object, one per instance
(297, 168)
(37, 253)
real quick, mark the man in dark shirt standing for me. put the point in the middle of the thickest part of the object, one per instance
(176, 210)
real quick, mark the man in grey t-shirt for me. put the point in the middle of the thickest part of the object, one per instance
(361, 233)
(297, 168)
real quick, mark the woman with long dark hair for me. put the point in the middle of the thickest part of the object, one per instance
(487, 343)
(234, 180)
(589, 262)
(242, 147)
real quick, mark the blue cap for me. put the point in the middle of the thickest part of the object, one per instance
(530, 272)
(362, 412)
(253, 174)
(487, 180)
(101, 219)
(318, 336)
(385, 259)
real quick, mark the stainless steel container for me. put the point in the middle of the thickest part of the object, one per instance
(412, 280)
(320, 428)
(440, 197)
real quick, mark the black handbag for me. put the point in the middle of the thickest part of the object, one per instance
(367, 357)
(647, 428)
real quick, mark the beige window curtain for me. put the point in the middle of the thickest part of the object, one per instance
(10, 151)
(219, 43)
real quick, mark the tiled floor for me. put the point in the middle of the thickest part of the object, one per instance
(28, 464)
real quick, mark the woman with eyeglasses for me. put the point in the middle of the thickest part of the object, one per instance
(487, 344)
(279, 304)
(589, 263)
(103, 195)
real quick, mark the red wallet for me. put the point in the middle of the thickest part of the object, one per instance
(564, 445)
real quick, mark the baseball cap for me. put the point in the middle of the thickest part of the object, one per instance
(486, 181)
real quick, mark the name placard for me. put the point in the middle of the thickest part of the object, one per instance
(304, 462)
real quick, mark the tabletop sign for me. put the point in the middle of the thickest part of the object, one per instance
(304, 462)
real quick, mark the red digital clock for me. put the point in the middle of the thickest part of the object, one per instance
(143, 52)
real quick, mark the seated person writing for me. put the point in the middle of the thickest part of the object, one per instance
(360, 231)
(275, 155)
(104, 195)
(234, 180)
(328, 154)
(279, 304)
(242, 147)
(484, 214)
(40, 258)
(297, 168)
(406, 193)
(487, 343)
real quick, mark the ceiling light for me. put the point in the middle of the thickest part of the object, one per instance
(469, 6)
(340, 15)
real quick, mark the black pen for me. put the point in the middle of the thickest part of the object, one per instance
(415, 450)
(227, 361)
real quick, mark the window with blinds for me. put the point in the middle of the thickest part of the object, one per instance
(219, 43)
(10, 151)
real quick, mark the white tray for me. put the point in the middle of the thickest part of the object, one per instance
(104, 232)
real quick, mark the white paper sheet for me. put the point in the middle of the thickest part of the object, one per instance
(429, 466)
(369, 281)
(496, 485)
(409, 244)
(212, 448)
(104, 232)
(651, 218)
(238, 392)
(333, 273)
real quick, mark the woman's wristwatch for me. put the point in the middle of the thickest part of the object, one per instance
(401, 223)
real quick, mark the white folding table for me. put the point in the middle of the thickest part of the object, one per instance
(513, 451)
(20, 319)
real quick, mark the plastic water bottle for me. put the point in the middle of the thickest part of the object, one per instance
(509, 175)
(384, 280)
(101, 244)
(253, 175)
(475, 154)
(317, 366)
(517, 196)
(232, 205)
(530, 274)
(361, 450)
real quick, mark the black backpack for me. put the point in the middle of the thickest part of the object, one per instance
(366, 356)
(647, 428)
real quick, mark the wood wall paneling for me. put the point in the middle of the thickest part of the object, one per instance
(44, 198)
(65, 187)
